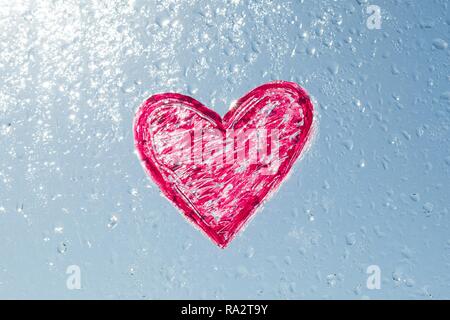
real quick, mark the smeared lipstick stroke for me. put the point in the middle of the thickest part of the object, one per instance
(219, 197)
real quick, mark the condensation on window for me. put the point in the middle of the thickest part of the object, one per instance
(364, 214)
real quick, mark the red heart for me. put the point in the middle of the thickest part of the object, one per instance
(219, 171)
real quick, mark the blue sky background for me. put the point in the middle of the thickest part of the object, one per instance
(373, 189)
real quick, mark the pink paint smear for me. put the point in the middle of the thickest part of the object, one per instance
(218, 171)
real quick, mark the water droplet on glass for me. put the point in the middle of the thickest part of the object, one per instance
(440, 44)
(62, 248)
(113, 221)
(428, 208)
(350, 239)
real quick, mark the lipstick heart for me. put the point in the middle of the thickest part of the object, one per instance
(219, 171)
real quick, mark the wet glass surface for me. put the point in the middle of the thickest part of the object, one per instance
(372, 190)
